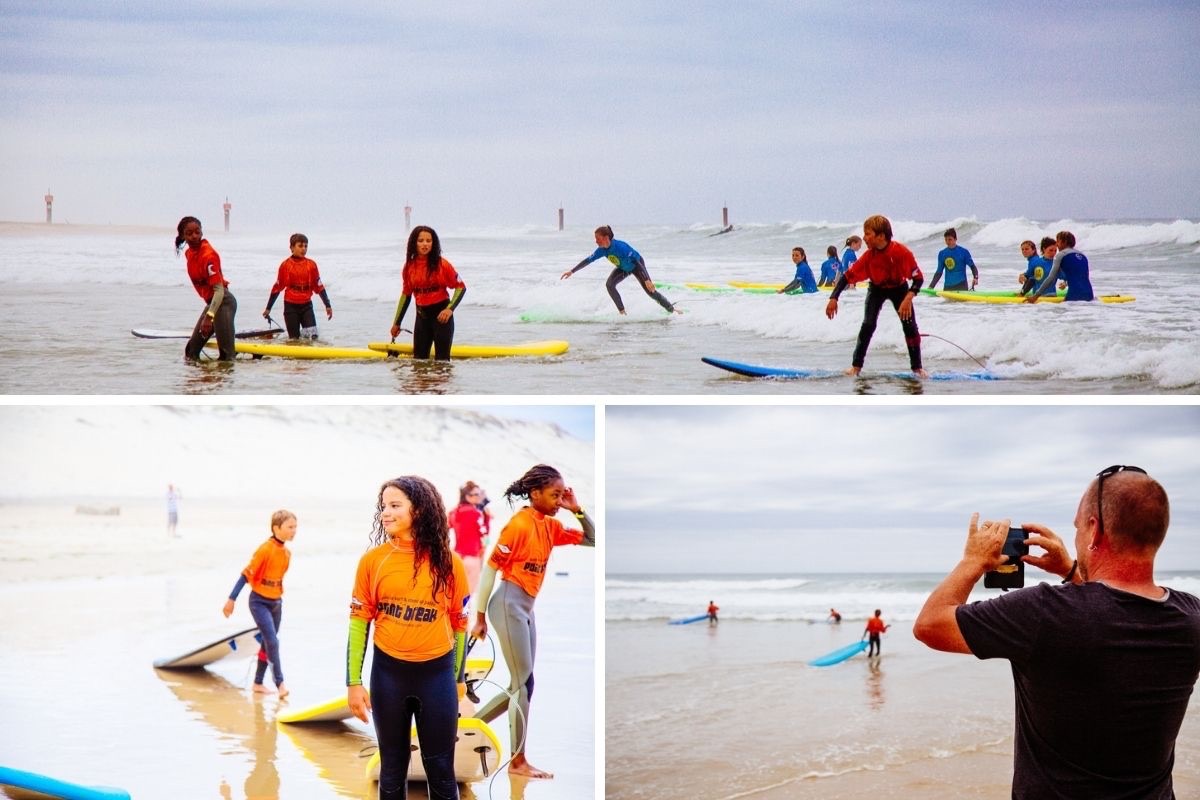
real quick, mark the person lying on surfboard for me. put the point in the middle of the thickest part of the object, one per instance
(626, 261)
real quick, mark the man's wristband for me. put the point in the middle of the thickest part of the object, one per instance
(1071, 574)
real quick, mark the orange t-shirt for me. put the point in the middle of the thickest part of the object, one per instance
(267, 566)
(524, 547)
(409, 623)
(875, 625)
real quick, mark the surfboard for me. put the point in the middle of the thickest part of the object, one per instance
(839, 655)
(978, 293)
(337, 709)
(549, 347)
(758, 288)
(49, 787)
(242, 643)
(756, 371)
(687, 620)
(476, 754)
(302, 351)
(978, 297)
(155, 333)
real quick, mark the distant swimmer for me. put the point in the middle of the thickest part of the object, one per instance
(889, 266)
(429, 279)
(804, 280)
(626, 261)
(1072, 265)
(875, 627)
(713, 608)
(954, 259)
(830, 267)
(834, 616)
(1037, 267)
(204, 271)
(298, 279)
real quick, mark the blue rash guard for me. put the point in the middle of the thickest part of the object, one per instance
(848, 258)
(1035, 274)
(829, 271)
(619, 253)
(954, 262)
(804, 280)
(1073, 266)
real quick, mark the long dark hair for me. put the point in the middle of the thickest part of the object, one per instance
(430, 528)
(435, 252)
(535, 478)
(183, 223)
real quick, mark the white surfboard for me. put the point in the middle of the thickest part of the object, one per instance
(243, 643)
(156, 333)
(476, 754)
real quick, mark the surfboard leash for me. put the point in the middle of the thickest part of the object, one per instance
(952, 344)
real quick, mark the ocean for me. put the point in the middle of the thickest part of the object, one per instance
(732, 710)
(77, 291)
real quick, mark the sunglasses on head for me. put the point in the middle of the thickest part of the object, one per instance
(1105, 473)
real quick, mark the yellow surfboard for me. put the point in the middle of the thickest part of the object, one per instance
(974, 297)
(550, 347)
(301, 351)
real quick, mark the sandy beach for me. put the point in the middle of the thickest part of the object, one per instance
(90, 602)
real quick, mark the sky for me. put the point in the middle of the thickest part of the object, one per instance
(334, 116)
(770, 489)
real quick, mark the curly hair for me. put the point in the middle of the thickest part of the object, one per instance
(430, 529)
(534, 478)
(183, 223)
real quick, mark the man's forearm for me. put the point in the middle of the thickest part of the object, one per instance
(937, 624)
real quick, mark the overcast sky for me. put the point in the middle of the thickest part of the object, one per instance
(732, 489)
(318, 115)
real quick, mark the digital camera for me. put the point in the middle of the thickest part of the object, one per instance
(1010, 575)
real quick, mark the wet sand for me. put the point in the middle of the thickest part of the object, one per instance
(89, 602)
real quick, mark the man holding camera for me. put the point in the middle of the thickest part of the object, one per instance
(1103, 665)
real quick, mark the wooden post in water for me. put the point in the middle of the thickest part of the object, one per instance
(227, 206)
(407, 218)
(49, 207)
(724, 217)
(560, 218)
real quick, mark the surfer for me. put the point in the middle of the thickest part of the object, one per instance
(953, 259)
(713, 608)
(429, 278)
(889, 266)
(471, 522)
(853, 244)
(1073, 265)
(626, 261)
(804, 280)
(520, 557)
(204, 271)
(265, 574)
(834, 616)
(830, 267)
(874, 628)
(414, 588)
(298, 278)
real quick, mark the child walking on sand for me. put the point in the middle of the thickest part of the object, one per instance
(520, 556)
(265, 574)
(414, 588)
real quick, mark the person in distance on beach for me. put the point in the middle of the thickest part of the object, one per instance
(414, 588)
(1073, 266)
(1103, 664)
(875, 628)
(889, 266)
(626, 261)
(470, 521)
(803, 280)
(204, 270)
(428, 278)
(713, 608)
(298, 278)
(520, 558)
(265, 573)
(830, 267)
(954, 259)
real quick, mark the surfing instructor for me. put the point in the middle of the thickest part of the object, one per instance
(626, 261)
(204, 270)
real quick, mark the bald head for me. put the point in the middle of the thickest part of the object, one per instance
(1136, 512)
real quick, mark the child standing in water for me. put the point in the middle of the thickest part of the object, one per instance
(265, 574)
(428, 279)
(298, 278)
(414, 588)
(626, 261)
(204, 271)
(520, 556)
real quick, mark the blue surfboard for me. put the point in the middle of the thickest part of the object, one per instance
(686, 620)
(52, 787)
(839, 655)
(756, 371)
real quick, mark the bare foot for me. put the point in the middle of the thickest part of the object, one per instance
(261, 689)
(852, 371)
(520, 766)
(920, 373)
(621, 312)
(283, 691)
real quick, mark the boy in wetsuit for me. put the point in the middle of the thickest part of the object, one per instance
(627, 261)
(298, 278)
(954, 259)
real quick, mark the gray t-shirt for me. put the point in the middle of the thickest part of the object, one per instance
(1102, 681)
